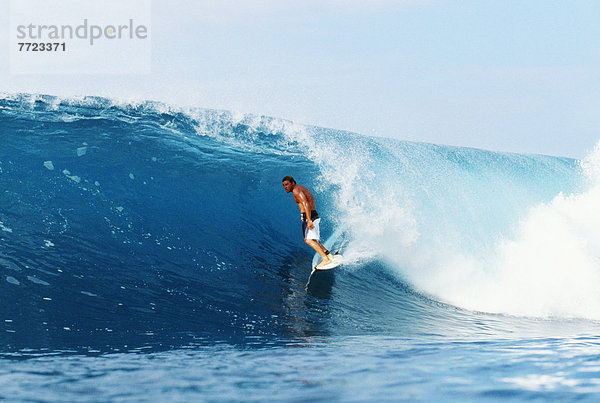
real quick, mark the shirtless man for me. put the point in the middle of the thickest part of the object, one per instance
(309, 216)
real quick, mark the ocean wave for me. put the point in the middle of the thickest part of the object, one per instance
(138, 222)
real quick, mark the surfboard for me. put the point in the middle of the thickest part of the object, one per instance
(320, 281)
(337, 260)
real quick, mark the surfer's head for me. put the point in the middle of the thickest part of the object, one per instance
(288, 183)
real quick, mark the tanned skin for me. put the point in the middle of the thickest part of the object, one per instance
(306, 203)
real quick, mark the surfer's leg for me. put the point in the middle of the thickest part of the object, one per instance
(311, 237)
(320, 249)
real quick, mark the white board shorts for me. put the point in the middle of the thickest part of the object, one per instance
(311, 233)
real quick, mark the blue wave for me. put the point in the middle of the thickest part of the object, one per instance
(126, 225)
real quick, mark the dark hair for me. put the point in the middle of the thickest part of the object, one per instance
(289, 179)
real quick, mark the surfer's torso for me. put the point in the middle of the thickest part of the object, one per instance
(298, 190)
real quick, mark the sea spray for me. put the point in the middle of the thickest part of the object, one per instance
(456, 223)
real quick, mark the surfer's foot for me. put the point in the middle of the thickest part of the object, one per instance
(325, 262)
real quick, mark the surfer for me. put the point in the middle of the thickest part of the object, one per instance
(310, 217)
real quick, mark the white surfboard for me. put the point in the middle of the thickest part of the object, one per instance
(336, 243)
(337, 260)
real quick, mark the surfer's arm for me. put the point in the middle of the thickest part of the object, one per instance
(307, 209)
(306, 206)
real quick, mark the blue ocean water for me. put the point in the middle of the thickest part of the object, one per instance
(149, 252)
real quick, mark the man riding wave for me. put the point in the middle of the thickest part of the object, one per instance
(310, 218)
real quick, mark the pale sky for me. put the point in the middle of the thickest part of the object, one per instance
(506, 75)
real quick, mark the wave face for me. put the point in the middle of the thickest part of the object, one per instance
(125, 225)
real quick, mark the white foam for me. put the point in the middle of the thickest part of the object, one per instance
(535, 382)
(12, 280)
(378, 220)
(49, 165)
(4, 228)
(37, 280)
(547, 265)
(74, 178)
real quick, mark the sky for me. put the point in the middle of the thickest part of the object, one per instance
(505, 75)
